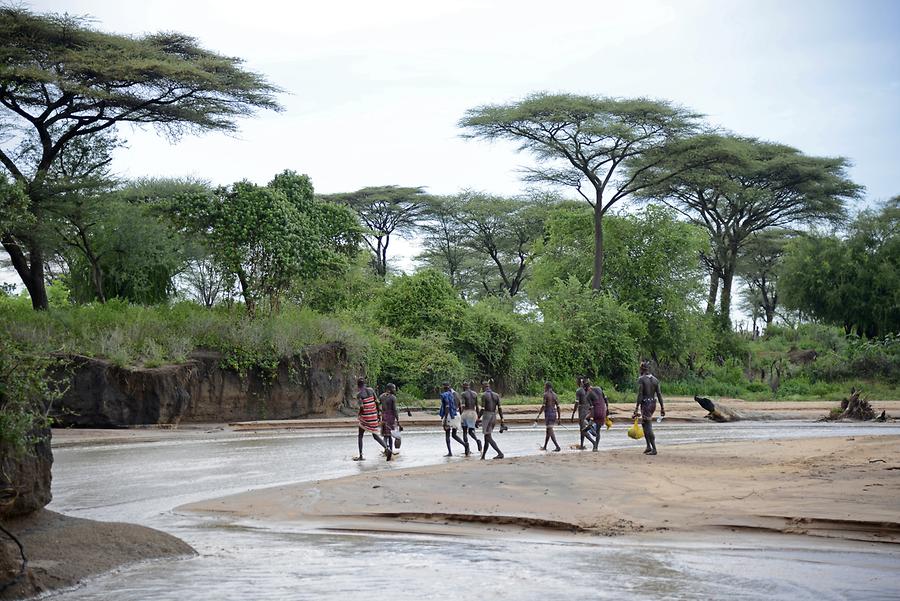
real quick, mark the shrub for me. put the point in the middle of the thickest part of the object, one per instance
(585, 333)
(423, 302)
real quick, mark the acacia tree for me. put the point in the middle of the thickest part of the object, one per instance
(588, 141)
(852, 282)
(758, 266)
(482, 243)
(62, 81)
(744, 186)
(443, 234)
(500, 234)
(384, 210)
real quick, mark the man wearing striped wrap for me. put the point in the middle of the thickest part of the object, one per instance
(369, 418)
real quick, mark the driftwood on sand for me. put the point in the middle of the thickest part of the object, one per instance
(719, 412)
(725, 414)
(856, 408)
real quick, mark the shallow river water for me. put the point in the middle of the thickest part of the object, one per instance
(144, 482)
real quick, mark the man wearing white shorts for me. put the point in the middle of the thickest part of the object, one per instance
(450, 418)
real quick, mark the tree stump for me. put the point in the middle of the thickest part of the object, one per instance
(856, 408)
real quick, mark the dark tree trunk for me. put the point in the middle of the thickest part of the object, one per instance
(597, 280)
(97, 278)
(713, 292)
(725, 306)
(249, 301)
(30, 269)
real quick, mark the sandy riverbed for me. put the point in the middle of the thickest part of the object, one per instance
(846, 487)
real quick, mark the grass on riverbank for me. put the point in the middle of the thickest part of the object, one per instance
(813, 362)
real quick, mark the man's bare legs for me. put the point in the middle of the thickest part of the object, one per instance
(455, 433)
(489, 442)
(551, 435)
(377, 438)
(470, 433)
(586, 433)
(649, 436)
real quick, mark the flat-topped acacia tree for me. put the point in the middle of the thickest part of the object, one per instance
(580, 140)
(746, 186)
(383, 210)
(62, 80)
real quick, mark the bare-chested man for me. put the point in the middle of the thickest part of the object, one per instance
(390, 417)
(469, 414)
(599, 407)
(490, 403)
(369, 417)
(550, 409)
(647, 394)
(582, 405)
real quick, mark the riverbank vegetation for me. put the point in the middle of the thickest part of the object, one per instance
(550, 284)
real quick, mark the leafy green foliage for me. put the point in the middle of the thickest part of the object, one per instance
(586, 333)
(495, 338)
(267, 237)
(854, 283)
(652, 267)
(423, 302)
(25, 395)
(136, 252)
(590, 141)
(66, 87)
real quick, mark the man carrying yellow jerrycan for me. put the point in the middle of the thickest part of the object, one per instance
(647, 394)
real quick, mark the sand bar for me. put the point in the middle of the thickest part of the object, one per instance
(847, 487)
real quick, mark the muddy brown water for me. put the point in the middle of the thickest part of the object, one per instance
(248, 560)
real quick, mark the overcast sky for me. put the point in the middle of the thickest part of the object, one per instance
(375, 89)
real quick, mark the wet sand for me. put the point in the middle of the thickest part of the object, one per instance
(62, 551)
(847, 487)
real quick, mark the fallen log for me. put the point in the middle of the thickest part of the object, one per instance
(718, 412)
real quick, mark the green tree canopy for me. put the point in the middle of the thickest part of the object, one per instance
(758, 265)
(653, 269)
(268, 236)
(62, 82)
(852, 282)
(422, 302)
(743, 186)
(588, 141)
(384, 210)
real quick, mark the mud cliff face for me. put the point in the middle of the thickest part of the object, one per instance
(25, 481)
(316, 382)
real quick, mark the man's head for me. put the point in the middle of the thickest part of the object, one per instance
(586, 383)
(391, 388)
(645, 367)
(445, 386)
(466, 385)
(548, 386)
(486, 383)
(360, 382)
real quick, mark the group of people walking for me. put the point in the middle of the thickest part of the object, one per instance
(380, 417)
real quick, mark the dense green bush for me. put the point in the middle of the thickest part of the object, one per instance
(25, 394)
(585, 332)
(414, 304)
(493, 335)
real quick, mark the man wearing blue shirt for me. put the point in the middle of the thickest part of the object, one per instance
(450, 418)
